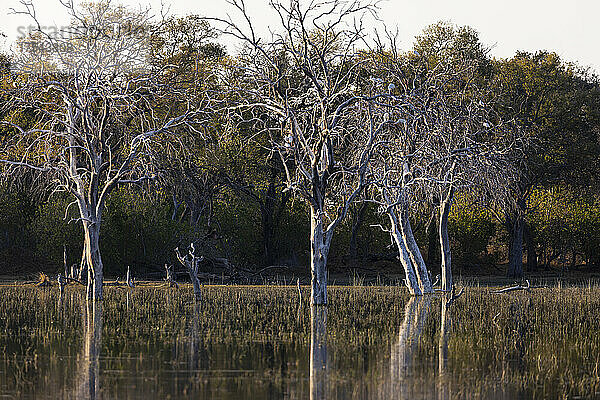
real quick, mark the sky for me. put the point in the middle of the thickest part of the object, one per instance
(569, 28)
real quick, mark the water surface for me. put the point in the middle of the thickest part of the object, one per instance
(261, 342)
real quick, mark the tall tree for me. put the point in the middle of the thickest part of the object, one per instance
(556, 104)
(92, 91)
(300, 89)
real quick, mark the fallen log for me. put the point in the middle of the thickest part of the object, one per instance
(73, 280)
(513, 288)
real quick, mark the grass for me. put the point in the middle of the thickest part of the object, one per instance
(253, 342)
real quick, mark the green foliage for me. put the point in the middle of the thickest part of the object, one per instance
(471, 227)
(138, 231)
(565, 220)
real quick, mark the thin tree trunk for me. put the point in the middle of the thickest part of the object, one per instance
(191, 264)
(445, 251)
(319, 246)
(515, 260)
(415, 254)
(409, 272)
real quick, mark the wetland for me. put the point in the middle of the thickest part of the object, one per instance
(263, 342)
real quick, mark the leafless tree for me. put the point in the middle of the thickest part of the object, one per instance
(99, 111)
(300, 87)
(444, 137)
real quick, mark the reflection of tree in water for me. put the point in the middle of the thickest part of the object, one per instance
(403, 351)
(444, 382)
(197, 355)
(89, 368)
(318, 352)
(408, 380)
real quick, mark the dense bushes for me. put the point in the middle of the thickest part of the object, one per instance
(140, 230)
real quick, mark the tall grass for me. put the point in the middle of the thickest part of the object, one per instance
(253, 342)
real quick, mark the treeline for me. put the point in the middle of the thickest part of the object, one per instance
(140, 232)
(248, 155)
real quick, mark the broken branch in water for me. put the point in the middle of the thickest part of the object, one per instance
(43, 280)
(513, 288)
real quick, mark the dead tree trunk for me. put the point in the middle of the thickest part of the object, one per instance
(409, 272)
(93, 259)
(65, 261)
(319, 246)
(129, 279)
(446, 253)
(414, 253)
(191, 263)
(170, 279)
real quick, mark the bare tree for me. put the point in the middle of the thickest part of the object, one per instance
(100, 111)
(445, 137)
(300, 88)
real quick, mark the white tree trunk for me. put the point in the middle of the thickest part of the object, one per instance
(93, 259)
(414, 252)
(191, 263)
(445, 242)
(318, 352)
(319, 246)
(411, 278)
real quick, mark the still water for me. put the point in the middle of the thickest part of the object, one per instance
(264, 343)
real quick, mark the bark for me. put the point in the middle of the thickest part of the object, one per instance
(409, 272)
(532, 259)
(193, 272)
(319, 246)
(318, 352)
(515, 259)
(446, 253)
(93, 259)
(414, 253)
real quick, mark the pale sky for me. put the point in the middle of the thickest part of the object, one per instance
(570, 28)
